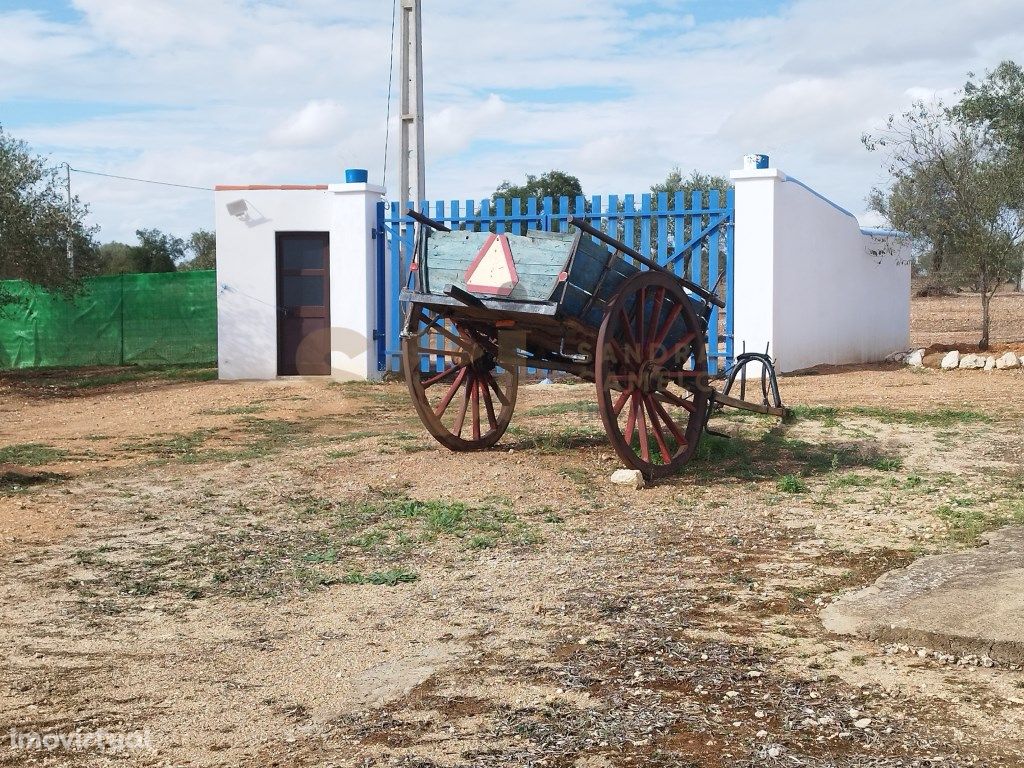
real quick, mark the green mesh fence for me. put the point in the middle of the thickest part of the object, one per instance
(149, 319)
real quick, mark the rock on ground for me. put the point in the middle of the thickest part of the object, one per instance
(631, 477)
(961, 603)
(916, 358)
(972, 361)
(950, 361)
(1008, 360)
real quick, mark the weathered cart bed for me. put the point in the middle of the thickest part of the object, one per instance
(483, 305)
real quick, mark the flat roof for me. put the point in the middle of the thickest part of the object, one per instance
(254, 187)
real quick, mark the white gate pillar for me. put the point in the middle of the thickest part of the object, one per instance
(354, 280)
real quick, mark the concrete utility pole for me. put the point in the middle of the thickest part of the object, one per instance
(70, 232)
(412, 183)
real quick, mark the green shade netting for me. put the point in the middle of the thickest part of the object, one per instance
(146, 319)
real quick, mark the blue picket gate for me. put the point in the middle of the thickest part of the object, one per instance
(696, 234)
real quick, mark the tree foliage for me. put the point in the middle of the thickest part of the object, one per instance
(553, 184)
(695, 182)
(156, 252)
(956, 191)
(202, 249)
(997, 105)
(36, 221)
(703, 183)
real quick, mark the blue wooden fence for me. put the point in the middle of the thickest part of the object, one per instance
(663, 227)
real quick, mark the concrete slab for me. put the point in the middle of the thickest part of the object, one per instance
(964, 603)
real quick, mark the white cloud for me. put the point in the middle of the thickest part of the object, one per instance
(453, 129)
(615, 91)
(313, 125)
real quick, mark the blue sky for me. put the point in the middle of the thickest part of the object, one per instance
(618, 92)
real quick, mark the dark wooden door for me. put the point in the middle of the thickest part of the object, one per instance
(304, 304)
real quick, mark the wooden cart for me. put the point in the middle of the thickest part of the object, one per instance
(483, 305)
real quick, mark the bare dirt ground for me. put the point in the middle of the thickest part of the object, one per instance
(293, 573)
(954, 322)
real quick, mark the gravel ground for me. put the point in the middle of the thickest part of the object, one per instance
(955, 322)
(294, 573)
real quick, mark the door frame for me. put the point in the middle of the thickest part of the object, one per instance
(280, 273)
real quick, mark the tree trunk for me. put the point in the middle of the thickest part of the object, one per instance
(986, 299)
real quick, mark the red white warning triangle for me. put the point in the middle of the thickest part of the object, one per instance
(493, 270)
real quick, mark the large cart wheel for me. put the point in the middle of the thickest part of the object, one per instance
(651, 374)
(462, 396)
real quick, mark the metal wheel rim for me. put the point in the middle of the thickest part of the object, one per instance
(473, 403)
(638, 378)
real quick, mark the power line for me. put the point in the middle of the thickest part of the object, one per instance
(141, 181)
(391, 74)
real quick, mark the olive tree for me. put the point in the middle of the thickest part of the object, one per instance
(39, 227)
(952, 190)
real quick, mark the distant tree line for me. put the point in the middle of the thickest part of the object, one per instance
(556, 184)
(157, 251)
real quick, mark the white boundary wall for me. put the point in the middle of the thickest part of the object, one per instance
(810, 281)
(247, 220)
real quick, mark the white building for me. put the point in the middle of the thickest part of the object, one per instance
(296, 280)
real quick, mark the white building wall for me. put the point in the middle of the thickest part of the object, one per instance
(247, 220)
(810, 281)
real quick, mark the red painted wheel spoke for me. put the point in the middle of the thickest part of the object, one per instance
(440, 330)
(454, 354)
(652, 331)
(627, 381)
(434, 379)
(488, 403)
(460, 417)
(620, 353)
(673, 399)
(675, 348)
(677, 433)
(673, 315)
(497, 390)
(626, 326)
(645, 448)
(446, 400)
(641, 326)
(617, 408)
(684, 376)
(666, 455)
(476, 408)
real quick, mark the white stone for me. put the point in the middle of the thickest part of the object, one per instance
(631, 477)
(863, 723)
(971, 361)
(950, 360)
(916, 358)
(990, 363)
(1008, 360)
